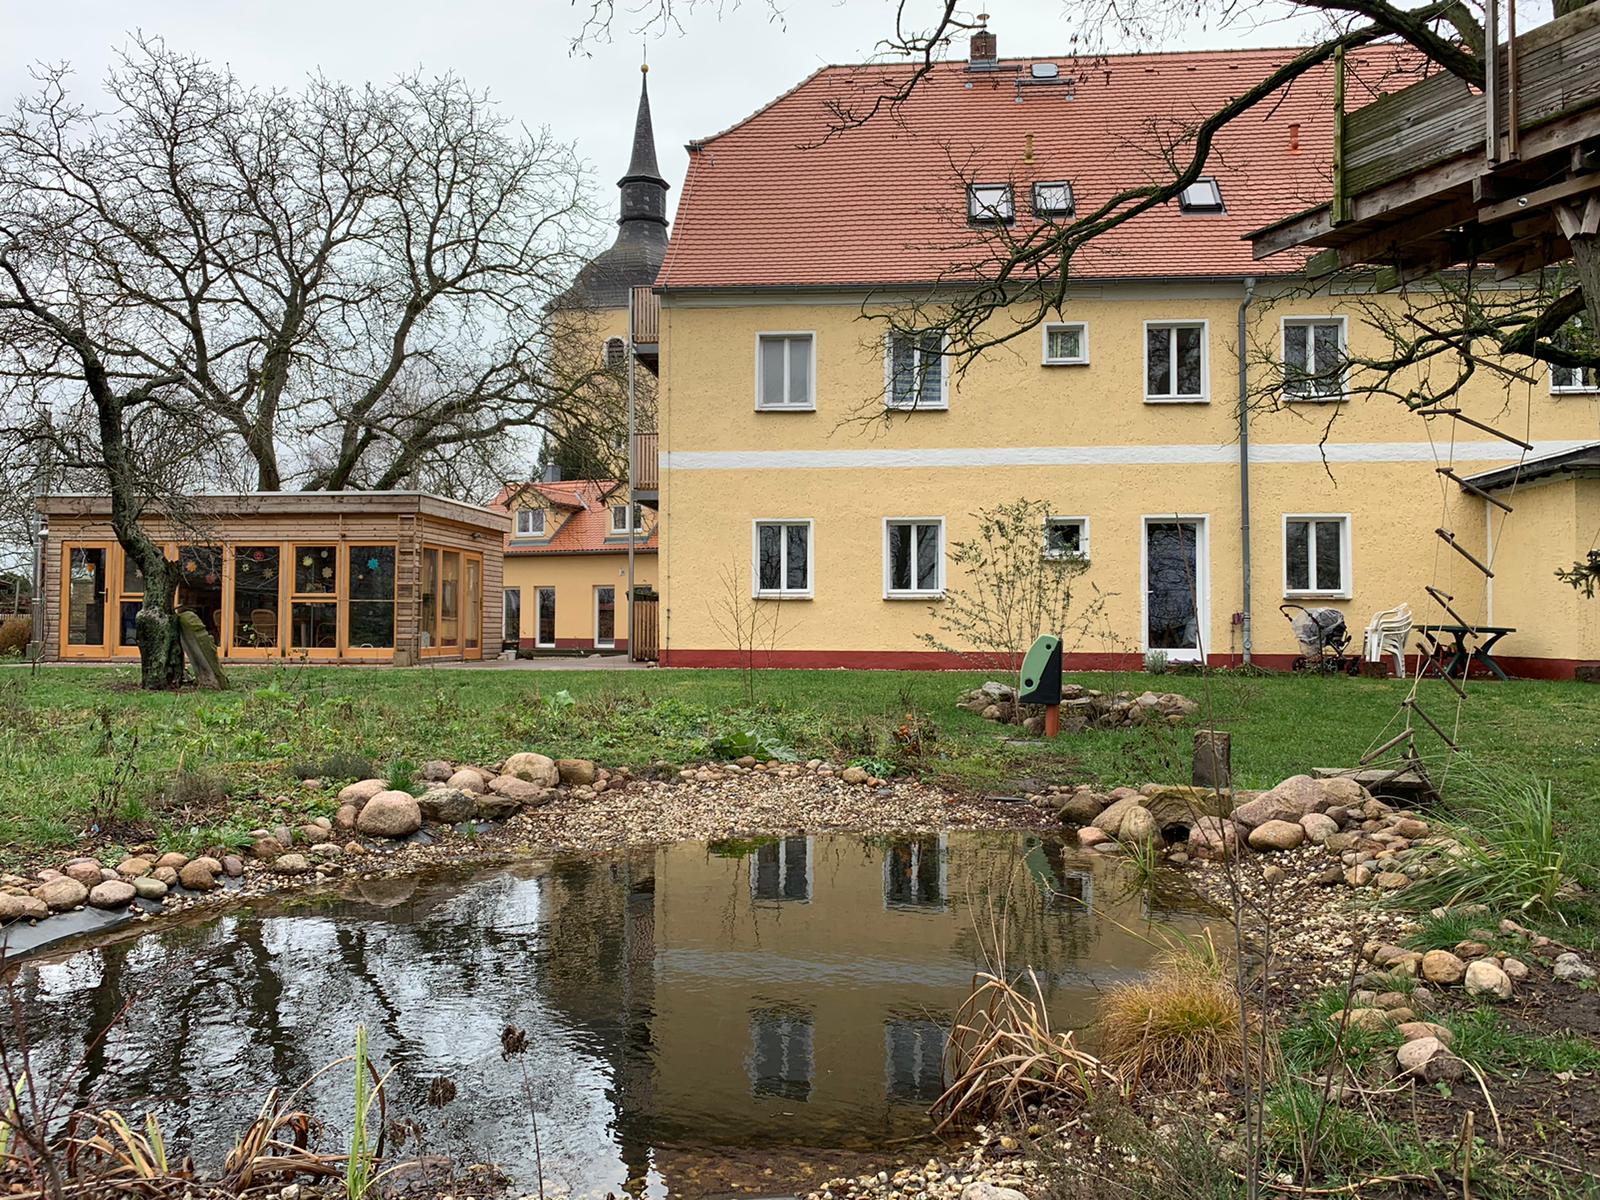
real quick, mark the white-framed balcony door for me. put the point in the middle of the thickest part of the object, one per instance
(544, 628)
(1175, 574)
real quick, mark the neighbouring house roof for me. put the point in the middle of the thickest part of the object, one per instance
(794, 197)
(579, 520)
(1578, 462)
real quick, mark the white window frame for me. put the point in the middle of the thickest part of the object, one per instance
(892, 593)
(538, 591)
(783, 593)
(1574, 389)
(1310, 322)
(616, 615)
(943, 852)
(783, 872)
(1083, 538)
(916, 362)
(633, 521)
(811, 336)
(531, 532)
(1002, 214)
(1202, 583)
(1170, 324)
(1083, 341)
(1340, 593)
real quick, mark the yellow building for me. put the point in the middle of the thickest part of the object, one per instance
(832, 463)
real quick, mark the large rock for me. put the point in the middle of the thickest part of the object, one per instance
(851, 775)
(1185, 805)
(435, 770)
(391, 814)
(199, 875)
(22, 908)
(1139, 826)
(1111, 818)
(1289, 801)
(492, 806)
(534, 768)
(1440, 966)
(1429, 1059)
(1212, 837)
(85, 870)
(1572, 969)
(978, 1190)
(447, 805)
(268, 848)
(61, 893)
(469, 779)
(1412, 1030)
(173, 860)
(112, 893)
(292, 864)
(360, 792)
(148, 887)
(1485, 978)
(514, 787)
(1081, 809)
(579, 772)
(1276, 835)
(132, 868)
(1319, 828)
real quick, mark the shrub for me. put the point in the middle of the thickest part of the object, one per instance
(339, 765)
(197, 790)
(1179, 1024)
(15, 634)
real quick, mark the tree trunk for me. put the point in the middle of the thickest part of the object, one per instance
(156, 626)
(1586, 262)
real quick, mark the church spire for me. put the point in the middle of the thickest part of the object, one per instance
(644, 192)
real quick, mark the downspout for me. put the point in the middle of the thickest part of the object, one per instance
(633, 534)
(1244, 466)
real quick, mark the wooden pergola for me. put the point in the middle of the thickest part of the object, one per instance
(1438, 173)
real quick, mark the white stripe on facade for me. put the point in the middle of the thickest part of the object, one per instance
(1097, 456)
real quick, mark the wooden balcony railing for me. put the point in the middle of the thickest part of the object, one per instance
(646, 464)
(646, 307)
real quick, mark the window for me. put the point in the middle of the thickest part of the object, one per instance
(605, 618)
(1066, 345)
(914, 873)
(913, 558)
(784, 366)
(616, 353)
(915, 368)
(1066, 537)
(530, 522)
(313, 611)
(1316, 556)
(371, 617)
(913, 1053)
(200, 586)
(130, 602)
(1574, 379)
(990, 203)
(256, 572)
(85, 592)
(1202, 196)
(781, 870)
(1053, 200)
(619, 518)
(1313, 358)
(782, 563)
(1174, 362)
(780, 1063)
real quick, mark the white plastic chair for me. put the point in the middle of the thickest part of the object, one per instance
(1386, 634)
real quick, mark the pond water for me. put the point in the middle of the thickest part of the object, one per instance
(766, 1003)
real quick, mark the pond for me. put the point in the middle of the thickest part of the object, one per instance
(767, 1003)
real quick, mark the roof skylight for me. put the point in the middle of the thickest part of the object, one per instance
(990, 203)
(1203, 195)
(1053, 199)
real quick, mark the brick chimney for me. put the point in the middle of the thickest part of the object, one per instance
(985, 53)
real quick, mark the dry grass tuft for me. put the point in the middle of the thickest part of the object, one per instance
(1180, 1024)
(1003, 1056)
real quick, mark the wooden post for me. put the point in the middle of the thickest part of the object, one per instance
(1337, 211)
(1052, 720)
(1213, 759)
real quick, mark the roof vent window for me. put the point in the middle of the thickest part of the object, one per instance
(1201, 196)
(1045, 70)
(1053, 199)
(990, 203)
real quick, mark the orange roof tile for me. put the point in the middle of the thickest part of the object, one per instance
(586, 526)
(788, 198)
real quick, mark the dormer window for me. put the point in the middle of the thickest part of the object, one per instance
(1053, 199)
(990, 203)
(530, 522)
(619, 518)
(1201, 196)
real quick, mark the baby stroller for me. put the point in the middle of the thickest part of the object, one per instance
(1324, 640)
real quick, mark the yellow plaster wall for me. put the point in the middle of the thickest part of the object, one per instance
(575, 576)
(1554, 524)
(1009, 400)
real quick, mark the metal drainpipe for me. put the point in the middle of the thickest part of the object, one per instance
(1244, 464)
(633, 534)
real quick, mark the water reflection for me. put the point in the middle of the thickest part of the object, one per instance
(788, 992)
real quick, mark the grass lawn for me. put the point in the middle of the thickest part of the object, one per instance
(82, 749)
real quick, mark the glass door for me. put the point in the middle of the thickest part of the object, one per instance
(605, 618)
(545, 635)
(472, 608)
(257, 625)
(450, 600)
(130, 599)
(85, 626)
(511, 630)
(1175, 602)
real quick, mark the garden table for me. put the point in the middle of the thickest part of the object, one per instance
(1463, 655)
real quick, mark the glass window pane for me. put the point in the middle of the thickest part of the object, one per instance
(930, 369)
(796, 882)
(256, 572)
(605, 617)
(372, 573)
(132, 576)
(1330, 564)
(547, 616)
(450, 600)
(769, 561)
(86, 597)
(927, 557)
(200, 585)
(430, 598)
(1189, 354)
(900, 558)
(1063, 537)
(1297, 551)
(1066, 342)
(472, 617)
(772, 371)
(799, 370)
(795, 564)
(1295, 347)
(1158, 361)
(316, 570)
(902, 358)
(1327, 359)
(1171, 557)
(315, 625)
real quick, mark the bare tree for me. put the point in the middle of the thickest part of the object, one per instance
(332, 288)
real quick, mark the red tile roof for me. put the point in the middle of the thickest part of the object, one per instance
(579, 519)
(788, 198)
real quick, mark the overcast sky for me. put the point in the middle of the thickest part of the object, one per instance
(714, 72)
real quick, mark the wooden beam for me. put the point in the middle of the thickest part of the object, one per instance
(1379, 245)
(1575, 186)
